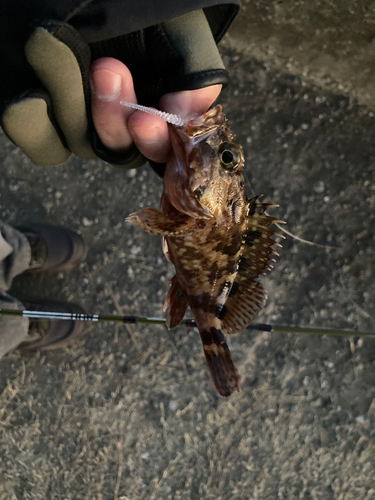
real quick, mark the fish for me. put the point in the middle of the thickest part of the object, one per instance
(218, 240)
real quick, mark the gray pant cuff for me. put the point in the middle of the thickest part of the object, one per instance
(13, 329)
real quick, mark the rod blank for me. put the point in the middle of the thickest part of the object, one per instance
(190, 323)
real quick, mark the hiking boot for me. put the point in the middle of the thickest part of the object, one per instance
(47, 334)
(53, 248)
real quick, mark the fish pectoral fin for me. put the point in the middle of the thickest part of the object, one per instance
(177, 303)
(244, 303)
(223, 372)
(155, 222)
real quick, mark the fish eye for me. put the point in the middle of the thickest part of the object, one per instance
(229, 157)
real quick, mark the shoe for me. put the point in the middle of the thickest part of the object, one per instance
(46, 334)
(53, 248)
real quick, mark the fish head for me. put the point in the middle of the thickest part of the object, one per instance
(205, 166)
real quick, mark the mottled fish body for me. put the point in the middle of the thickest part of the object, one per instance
(217, 239)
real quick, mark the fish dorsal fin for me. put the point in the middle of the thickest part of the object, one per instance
(247, 296)
(243, 307)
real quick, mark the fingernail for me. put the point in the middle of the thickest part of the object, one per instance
(106, 85)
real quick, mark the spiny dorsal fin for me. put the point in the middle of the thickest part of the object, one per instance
(247, 296)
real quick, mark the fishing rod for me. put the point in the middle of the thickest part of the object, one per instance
(190, 323)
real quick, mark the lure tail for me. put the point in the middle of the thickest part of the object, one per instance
(176, 120)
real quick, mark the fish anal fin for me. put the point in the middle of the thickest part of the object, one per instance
(223, 372)
(176, 302)
(244, 303)
(155, 222)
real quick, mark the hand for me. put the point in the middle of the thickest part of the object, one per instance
(118, 126)
(45, 99)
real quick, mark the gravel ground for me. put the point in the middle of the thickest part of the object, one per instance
(331, 43)
(129, 412)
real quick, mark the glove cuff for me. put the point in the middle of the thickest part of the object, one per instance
(131, 159)
(198, 63)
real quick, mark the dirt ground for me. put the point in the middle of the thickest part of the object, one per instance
(330, 43)
(129, 412)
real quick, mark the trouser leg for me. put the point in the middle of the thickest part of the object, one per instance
(14, 260)
(13, 329)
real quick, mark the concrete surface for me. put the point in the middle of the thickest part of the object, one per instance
(330, 43)
(129, 412)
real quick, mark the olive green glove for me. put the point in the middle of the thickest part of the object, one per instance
(51, 117)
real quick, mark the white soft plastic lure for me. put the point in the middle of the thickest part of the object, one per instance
(176, 120)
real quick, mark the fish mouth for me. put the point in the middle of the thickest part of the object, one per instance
(177, 179)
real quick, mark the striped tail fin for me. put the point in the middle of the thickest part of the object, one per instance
(223, 372)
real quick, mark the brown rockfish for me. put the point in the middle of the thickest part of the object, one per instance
(217, 239)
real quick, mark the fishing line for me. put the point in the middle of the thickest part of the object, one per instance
(189, 323)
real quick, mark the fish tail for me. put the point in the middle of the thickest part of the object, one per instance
(223, 372)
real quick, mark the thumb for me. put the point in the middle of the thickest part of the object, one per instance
(190, 101)
(150, 133)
